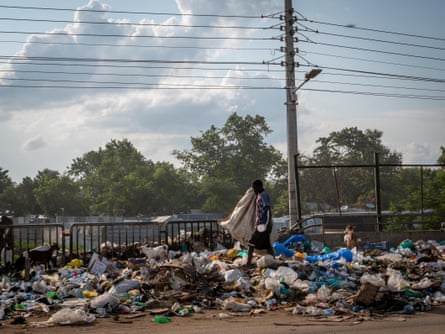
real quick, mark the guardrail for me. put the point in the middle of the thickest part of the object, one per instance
(390, 228)
(79, 240)
(22, 237)
(371, 222)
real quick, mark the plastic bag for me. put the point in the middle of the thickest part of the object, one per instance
(375, 280)
(396, 281)
(341, 253)
(286, 275)
(106, 299)
(67, 316)
(280, 249)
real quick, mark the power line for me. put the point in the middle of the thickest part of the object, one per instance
(212, 87)
(122, 60)
(373, 39)
(56, 33)
(189, 77)
(163, 75)
(150, 86)
(379, 86)
(159, 25)
(377, 51)
(391, 75)
(270, 16)
(142, 66)
(374, 61)
(141, 45)
(350, 26)
(175, 65)
(405, 96)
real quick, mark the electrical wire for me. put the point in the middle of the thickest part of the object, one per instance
(405, 96)
(376, 51)
(164, 75)
(56, 33)
(375, 61)
(140, 64)
(122, 60)
(368, 39)
(141, 45)
(350, 26)
(158, 25)
(273, 16)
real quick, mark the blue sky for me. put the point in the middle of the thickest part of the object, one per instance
(49, 127)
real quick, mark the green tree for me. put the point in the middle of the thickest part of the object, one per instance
(353, 147)
(441, 159)
(172, 191)
(435, 189)
(108, 175)
(22, 199)
(57, 195)
(6, 190)
(119, 180)
(226, 160)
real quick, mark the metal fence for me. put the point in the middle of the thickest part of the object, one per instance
(371, 222)
(392, 192)
(80, 239)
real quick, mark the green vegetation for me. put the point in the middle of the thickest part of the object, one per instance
(118, 180)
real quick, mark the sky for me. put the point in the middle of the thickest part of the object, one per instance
(75, 75)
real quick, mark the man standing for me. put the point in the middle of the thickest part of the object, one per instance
(263, 221)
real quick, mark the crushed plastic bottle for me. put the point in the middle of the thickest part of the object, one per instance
(161, 320)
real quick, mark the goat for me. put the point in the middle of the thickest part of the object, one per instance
(39, 255)
(159, 252)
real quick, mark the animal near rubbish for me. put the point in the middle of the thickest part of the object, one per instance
(158, 252)
(39, 255)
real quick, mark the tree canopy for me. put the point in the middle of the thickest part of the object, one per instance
(226, 160)
(118, 180)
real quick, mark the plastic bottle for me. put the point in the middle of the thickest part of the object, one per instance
(161, 320)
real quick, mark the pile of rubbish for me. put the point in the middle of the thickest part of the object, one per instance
(304, 277)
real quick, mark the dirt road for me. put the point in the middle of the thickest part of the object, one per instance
(218, 322)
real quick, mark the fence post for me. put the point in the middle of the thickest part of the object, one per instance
(378, 199)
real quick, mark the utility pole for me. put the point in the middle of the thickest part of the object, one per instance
(291, 104)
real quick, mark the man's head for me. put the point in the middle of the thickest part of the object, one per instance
(257, 186)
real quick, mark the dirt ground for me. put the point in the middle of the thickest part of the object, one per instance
(218, 322)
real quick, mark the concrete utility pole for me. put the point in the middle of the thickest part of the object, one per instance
(291, 103)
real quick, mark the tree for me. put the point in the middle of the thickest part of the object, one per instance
(349, 146)
(119, 180)
(22, 199)
(226, 160)
(59, 195)
(441, 159)
(5, 179)
(107, 176)
(435, 188)
(5, 184)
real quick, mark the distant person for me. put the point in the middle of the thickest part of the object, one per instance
(6, 239)
(263, 222)
(442, 227)
(6, 242)
(351, 239)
